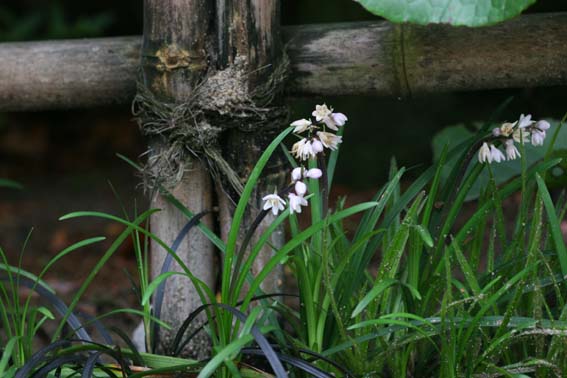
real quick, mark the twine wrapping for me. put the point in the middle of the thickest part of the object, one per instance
(222, 101)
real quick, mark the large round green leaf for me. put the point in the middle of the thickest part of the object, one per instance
(454, 12)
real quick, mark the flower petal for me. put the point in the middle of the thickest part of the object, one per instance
(300, 125)
(314, 173)
(296, 174)
(317, 146)
(542, 125)
(339, 119)
(300, 188)
(525, 121)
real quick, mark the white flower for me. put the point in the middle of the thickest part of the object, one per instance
(496, 155)
(274, 202)
(339, 119)
(484, 155)
(303, 149)
(334, 120)
(511, 150)
(324, 114)
(317, 146)
(313, 173)
(525, 135)
(506, 129)
(525, 121)
(296, 174)
(301, 125)
(538, 137)
(299, 172)
(329, 140)
(321, 112)
(496, 131)
(542, 125)
(300, 188)
(295, 203)
(297, 147)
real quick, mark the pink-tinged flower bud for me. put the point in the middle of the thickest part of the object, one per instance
(317, 146)
(300, 188)
(339, 119)
(542, 125)
(314, 173)
(296, 174)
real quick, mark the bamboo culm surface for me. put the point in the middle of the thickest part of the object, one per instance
(377, 58)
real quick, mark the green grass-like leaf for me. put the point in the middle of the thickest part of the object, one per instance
(10, 184)
(239, 214)
(554, 225)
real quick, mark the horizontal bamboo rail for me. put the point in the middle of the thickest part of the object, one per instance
(327, 59)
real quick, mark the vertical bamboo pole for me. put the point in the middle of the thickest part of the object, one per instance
(174, 59)
(249, 31)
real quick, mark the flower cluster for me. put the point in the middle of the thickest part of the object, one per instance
(523, 130)
(296, 196)
(317, 139)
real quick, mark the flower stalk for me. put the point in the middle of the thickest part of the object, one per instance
(310, 148)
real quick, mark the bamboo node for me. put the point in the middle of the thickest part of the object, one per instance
(172, 57)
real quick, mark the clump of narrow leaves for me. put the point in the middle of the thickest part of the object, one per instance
(410, 288)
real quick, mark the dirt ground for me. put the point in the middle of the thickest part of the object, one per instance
(64, 167)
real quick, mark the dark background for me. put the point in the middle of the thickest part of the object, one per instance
(66, 159)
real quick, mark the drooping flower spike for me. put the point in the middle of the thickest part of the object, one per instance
(304, 149)
(524, 130)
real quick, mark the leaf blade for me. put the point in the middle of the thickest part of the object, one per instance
(453, 12)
